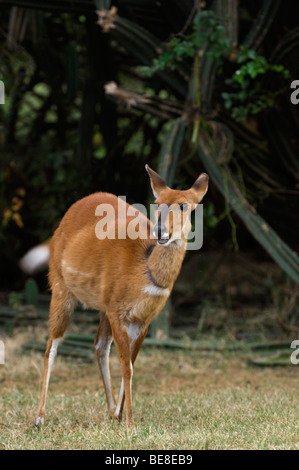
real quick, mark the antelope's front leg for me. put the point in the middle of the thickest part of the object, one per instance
(122, 342)
(137, 332)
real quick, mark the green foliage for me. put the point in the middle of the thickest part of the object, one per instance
(15, 299)
(210, 35)
(244, 95)
(254, 65)
(247, 97)
(207, 35)
(62, 136)
(210, 217)
(31, 292)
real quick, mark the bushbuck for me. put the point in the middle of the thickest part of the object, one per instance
(128, 279)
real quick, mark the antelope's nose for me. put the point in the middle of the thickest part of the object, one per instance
(160, 230)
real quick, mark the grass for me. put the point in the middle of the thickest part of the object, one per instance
(181, 400)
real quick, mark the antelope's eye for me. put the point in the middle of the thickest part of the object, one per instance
(184, 207)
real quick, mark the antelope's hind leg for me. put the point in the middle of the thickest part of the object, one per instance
(61, 308)
(103, 342)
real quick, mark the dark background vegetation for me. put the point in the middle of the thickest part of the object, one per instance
(62, 136)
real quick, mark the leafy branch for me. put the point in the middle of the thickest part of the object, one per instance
(244, 95)
(207, 35)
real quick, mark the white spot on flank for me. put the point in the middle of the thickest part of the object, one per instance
(74, 271)
(154, 290)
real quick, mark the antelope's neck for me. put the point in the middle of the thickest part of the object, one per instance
(164, 264)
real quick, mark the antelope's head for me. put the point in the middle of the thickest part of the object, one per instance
(173, 208)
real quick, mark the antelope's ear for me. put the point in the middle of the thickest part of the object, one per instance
(199, 188)
(157, 183)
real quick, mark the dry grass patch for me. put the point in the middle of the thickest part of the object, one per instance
(181, 400)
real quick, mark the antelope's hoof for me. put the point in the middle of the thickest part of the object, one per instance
(39, 421)
(117, 417)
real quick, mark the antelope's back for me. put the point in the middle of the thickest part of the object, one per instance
(79, 255)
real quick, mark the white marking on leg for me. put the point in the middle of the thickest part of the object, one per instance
(98, 344)
(53, 351)
(120, 398)
(122, 392)
(39, 421)
(70, 305)
(104, 360)
(134, 331)
(52, 355)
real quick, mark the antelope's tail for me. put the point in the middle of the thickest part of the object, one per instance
(36, 259)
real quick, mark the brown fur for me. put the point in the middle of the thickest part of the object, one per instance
(110, 275)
